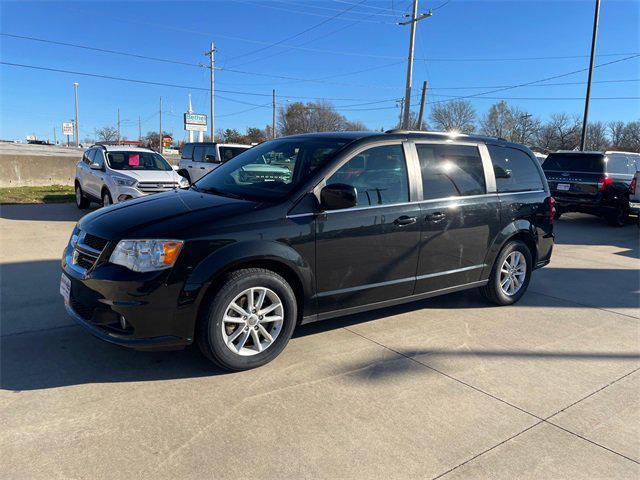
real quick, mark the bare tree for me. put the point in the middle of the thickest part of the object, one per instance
(107, 134)
(498, 121)
(631, 137)
(456, 115)
(525, 127)
(616, 132)
(597, 136)
(152, 140)
(319, 116)
(564, 132)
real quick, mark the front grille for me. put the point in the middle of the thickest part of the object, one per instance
(94, 242)
(84, 311)
(87, 250)
(156, 187)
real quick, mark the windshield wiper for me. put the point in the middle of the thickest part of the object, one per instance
(216, 191)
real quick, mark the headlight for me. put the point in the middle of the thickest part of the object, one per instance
(124, 182)
(183, 182)
(146, 255)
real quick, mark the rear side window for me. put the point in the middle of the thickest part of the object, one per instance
(379, 175)
(200, 153)
(515, 170)
(450, 171)
(187, 152)
(227, 153)
(575, 162)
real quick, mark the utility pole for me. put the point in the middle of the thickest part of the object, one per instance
(273, 120)
(55, 137)
(76, 129)
(210, 54)
(139, 129)
(160, 148)
(412, 40)
(422, 99)
(118, 126)
(596, 15)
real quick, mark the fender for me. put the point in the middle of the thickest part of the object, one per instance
(239, 253)
(514, 228)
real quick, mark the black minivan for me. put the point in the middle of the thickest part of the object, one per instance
(363, 220)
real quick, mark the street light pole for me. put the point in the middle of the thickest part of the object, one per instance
(210, 53)
(76, 129)
(412, 40)
(594, 37)
(160, 148)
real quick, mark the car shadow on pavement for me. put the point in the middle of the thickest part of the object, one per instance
(53, 212)
(587, 230)
(40, 349)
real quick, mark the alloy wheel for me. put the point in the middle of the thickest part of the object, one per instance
(252, 321)
(512, 273)
(78, 196)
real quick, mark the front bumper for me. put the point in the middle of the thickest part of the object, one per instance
(154, 318)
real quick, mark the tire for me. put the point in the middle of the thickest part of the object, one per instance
(220, 341)
(493, 291)
(619, 219)
(106, 198)
(82, 202)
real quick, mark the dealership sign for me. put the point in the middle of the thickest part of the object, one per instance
(195, 121)
(67, 128)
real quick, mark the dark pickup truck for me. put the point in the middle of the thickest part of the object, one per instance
(592, 182)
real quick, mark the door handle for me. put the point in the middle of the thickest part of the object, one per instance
(405, 220)
(201, 168)
(189, 166)
(435, 217)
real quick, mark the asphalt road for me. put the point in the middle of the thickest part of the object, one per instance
(450, 387)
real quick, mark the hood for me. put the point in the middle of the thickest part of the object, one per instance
(178, 214)
(149, 175)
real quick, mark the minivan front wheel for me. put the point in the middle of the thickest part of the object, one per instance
(249, 320)
(510, 274)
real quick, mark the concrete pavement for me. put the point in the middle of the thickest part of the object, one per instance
(450, 387)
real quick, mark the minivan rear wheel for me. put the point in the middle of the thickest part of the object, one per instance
(510, 274)
(249, 320)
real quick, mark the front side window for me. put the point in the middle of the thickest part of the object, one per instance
(137, 161)
(98, 158)
(379, 175)
(514, 170)
(88, 156)
(450, 170)
(271, 170)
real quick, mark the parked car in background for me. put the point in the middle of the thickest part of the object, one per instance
(112, 174)
(592, 182)
(198, 159)
(634, 195)
(363, 220)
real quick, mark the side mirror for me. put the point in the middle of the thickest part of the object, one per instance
(211, 158)
(95, 166)
(338, 196)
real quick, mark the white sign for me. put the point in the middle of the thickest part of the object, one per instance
(195, 122)
(67, 128)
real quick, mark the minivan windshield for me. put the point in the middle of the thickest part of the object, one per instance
(575, 162)
(137, 161)
(272, 170)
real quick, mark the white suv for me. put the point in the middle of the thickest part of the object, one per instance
(112, 174)
(198, 159)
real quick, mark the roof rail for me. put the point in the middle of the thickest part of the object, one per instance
(98, 145)
(404, 130)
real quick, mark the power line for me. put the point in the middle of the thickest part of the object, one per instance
(447, 2)
(103, 50)
(302, 32)
(314, 14)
